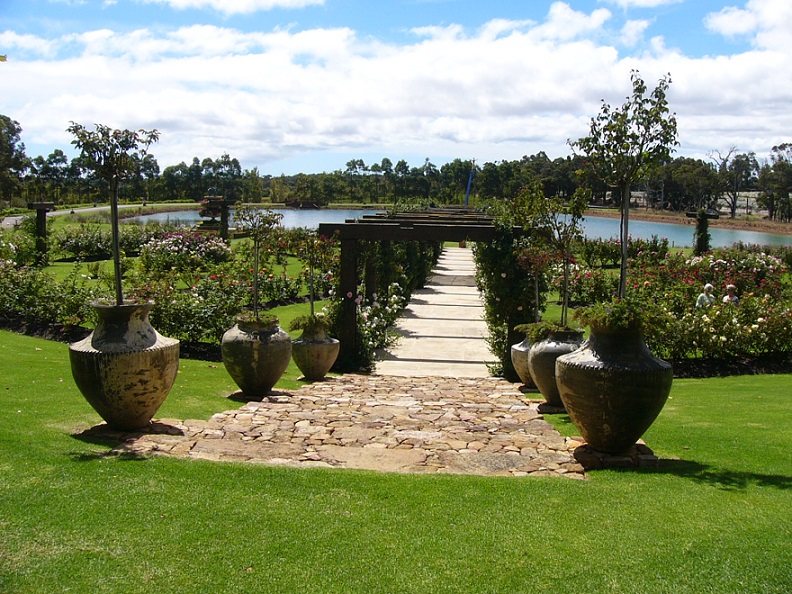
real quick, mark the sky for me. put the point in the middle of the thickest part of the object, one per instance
(290, 86)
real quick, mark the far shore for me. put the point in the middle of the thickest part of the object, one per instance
(740, 222)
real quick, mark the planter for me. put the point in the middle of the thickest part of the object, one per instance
(314, 353)
(519, 359)
(613, 388)
(125, 368)
(256, 353)
(542, 358)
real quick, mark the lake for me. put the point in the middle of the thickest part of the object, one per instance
(593, 227)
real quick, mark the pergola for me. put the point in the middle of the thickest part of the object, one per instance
(436, 225)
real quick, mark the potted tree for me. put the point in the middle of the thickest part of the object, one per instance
(314, 352)
(614, 378)
(124, 368)
(556, 225)
(256, 351)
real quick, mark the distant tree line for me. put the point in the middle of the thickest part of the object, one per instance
(680, 184)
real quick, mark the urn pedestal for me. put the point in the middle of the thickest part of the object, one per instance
(125, 368)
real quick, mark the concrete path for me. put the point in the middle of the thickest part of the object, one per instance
(442, 329)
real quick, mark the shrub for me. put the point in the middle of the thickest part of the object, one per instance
(182, 251)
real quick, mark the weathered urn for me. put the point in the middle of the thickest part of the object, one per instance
(315, 352)
(256, 354)
(519, 359)
(613, 388)
(542, 358)
(125, 368)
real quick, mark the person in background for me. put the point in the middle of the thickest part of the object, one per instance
(706, 298)
(731, 295)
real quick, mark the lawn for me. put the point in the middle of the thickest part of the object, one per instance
(714, 518)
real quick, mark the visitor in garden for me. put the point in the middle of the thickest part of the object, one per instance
(706, 298)
(731, 295)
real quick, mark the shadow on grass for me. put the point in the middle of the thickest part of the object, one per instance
(721, 478)
(729, 480)
(103, 435)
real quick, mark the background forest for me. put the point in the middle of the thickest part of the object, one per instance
(681, 184)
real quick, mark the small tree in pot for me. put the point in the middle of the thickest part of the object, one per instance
(614, 373)
(256, 351)
(125, 369)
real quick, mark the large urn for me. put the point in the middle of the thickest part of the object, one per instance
(256, 354)
(542, 358)
(613, 387)
(125, 368)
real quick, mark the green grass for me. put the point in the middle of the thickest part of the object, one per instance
(717, 520)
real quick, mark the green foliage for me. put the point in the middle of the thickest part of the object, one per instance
(508, 291)
(181, 251)
(18, 247)
(617, 314)
(627, 143)
(30, 295)
(311, 323)
(201, 313)
(701, 236)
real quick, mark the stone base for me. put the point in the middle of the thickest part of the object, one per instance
(548, 409)
(638, 456)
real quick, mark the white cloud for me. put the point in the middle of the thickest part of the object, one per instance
(731, 21)
(229, 7)
(641, 3)
(767, 22)
(632, 32)
(508, 89)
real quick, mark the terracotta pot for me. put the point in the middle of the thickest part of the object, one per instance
(125, 368)
(314, 353)
(613, 388)
(256, 354)
(519, 359)
(542, 357)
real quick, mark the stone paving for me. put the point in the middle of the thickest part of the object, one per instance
(481, 426)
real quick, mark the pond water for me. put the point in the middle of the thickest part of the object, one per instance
(292, 219)
(593, 227)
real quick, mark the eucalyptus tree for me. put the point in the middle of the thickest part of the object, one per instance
(13, 161)
(626, 143)
(738, 172)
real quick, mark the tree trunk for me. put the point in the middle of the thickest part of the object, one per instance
(116, 242)
(625, 236)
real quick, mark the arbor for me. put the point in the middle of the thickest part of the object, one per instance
(626, 143)
(113, 155)
(13, 161)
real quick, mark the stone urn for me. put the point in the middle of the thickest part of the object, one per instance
(256, 354)
(315, 352)
(519, 359)
(542, 358)
(613, 387)
(125, 368)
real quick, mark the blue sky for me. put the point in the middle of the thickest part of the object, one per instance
(306, 85)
